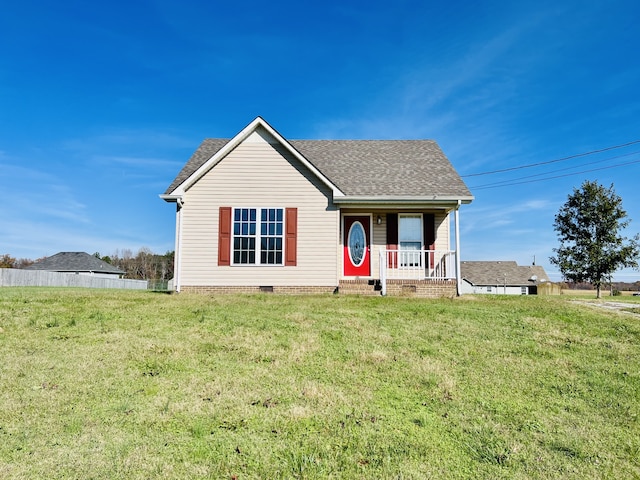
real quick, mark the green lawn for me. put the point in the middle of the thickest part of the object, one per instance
(139, 385)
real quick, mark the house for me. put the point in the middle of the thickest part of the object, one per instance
(78, 263)
(500, 277)
(259, 212)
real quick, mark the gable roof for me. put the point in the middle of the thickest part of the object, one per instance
(368, 169)
(74, 262)
(203, 160)
(501, 273)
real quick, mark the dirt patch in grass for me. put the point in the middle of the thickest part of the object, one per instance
(612, 306)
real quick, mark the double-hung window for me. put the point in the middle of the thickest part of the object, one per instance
(271, 236)
(258, 236)
(410, 239)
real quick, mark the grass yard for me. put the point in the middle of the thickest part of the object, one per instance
(98, 384)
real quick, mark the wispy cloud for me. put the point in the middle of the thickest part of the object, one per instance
(34, 239)
(150, 159)
(48, 197)
(143, 150)
(137, 162)
(501, 214)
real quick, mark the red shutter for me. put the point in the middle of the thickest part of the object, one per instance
(429, 232)
(224, 236)
(291, 237)
(392, 238)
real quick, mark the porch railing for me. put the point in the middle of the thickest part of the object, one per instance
(416, 265)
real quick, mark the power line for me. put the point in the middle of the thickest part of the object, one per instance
(563, 159)
(505, 183)
(501, 184)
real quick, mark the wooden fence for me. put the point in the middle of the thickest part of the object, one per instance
(12, 277)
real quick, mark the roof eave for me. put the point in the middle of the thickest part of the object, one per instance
(432, 200)
(170, 198)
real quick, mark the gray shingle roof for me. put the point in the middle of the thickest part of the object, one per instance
(397, 168)
(205, 151)
(74, 262)
(493, 273)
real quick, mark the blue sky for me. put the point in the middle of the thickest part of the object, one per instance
(101, 103)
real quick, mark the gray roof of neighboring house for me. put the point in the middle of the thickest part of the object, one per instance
(494, 272)
(397, 168)
(74, 262)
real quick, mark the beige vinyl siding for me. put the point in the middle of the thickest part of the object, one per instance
(259, 174)
(379, 242)
(443, 232)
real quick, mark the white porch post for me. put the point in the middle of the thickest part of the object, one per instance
(383, 271)
(457, 228)
(177, 255)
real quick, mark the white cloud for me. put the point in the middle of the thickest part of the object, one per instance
(47, 197)
(27, 238)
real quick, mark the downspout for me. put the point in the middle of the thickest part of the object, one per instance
(458, 271)
(177, 263)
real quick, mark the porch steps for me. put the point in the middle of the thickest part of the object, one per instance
(360, 287)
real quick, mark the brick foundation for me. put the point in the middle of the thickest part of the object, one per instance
(395, 288)
(406, 288)
(298, 290)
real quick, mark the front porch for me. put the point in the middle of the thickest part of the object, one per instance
(421, 273)
(405, 267)
(401, 250)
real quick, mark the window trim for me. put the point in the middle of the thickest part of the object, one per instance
(403, 262)
(258, 237)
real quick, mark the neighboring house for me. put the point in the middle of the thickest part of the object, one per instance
(259, 212)
(77, 262)
(499, 277)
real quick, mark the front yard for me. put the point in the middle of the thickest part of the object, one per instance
(128, 384)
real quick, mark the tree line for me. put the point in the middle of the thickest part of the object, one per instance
(144, 265)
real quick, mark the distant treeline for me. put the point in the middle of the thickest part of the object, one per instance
(144, 265)
(619, 286)
(7, 261)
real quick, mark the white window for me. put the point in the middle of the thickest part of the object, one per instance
(523, 290)
(253, 245)
(410, 239)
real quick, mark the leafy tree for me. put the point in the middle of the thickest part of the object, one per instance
(7, 261)
(588, 226)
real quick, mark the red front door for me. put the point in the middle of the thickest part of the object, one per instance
(357, 246)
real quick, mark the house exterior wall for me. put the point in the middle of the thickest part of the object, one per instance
(98, 274)
(259, 172)
(469, 289)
